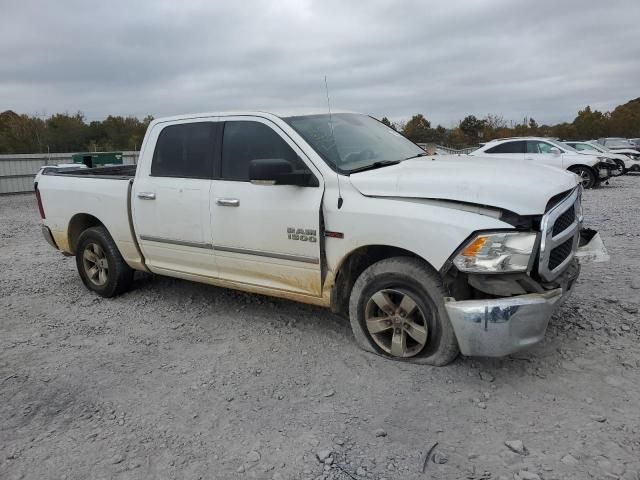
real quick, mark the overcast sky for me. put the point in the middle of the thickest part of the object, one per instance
(543, 59)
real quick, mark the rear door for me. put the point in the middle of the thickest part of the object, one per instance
(509, 150)
(265, 235)
(170, 198)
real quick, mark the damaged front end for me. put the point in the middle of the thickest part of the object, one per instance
(497, 314)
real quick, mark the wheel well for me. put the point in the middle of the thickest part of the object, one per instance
(353, 265)
(580, 165)
(78, 224)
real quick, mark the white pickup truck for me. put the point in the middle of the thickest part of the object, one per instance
(427, 256)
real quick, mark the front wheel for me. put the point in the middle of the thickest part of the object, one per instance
(621, 166)
(587, 177)
(396, 310)
(100, 265)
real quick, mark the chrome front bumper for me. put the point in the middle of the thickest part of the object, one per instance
(499, 326)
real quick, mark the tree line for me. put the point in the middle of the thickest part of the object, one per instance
(63, 132)
(622, 121)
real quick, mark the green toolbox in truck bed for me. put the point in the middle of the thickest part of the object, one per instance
(98, 159)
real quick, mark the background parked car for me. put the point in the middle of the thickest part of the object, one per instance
(635, 142)
(592, 169)
(619, 145)
(625, 162)
(616, 144)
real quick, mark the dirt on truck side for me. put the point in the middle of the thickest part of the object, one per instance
(183, 380)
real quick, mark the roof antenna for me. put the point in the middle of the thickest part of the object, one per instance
(326, 87)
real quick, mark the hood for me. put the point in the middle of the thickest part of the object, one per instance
(603, 155)
(625, 151)
(511, 185)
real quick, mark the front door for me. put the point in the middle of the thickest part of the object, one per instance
(170, 199)
(543, 152)
(265, 235)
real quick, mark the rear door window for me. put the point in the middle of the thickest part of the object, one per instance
(516, 146)
(186, 150)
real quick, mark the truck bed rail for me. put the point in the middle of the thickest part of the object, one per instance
(120, 172)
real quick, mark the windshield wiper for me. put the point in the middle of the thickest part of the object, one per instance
(422, 154)
(382, 163)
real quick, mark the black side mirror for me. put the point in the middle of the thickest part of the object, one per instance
(277, 171)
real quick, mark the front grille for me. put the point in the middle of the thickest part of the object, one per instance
(564, 221)
(560, 253)
(556, 199)
(560, 228)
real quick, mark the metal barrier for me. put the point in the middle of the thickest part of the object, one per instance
(432, 148)
(17, 170)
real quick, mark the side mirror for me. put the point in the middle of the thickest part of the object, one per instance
(277, 171)
(555, 150)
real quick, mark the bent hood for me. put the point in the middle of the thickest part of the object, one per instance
(511, 185)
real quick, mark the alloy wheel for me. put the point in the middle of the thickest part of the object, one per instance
(396, 323)
(95, 264)
(585, 178)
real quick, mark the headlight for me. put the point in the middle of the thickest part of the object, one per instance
(498, 252)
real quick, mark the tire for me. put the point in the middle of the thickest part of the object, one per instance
(621, 166)
(389, 282)
(100, 265)
(587, 176)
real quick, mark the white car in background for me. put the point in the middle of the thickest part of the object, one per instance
(592, 169)
(618, 145)
(628, 163)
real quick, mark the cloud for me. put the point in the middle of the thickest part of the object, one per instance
(444, 59)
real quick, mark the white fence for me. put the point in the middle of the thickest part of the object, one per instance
(17, 170)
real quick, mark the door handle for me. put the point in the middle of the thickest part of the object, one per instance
(147, 196)
(228, 202)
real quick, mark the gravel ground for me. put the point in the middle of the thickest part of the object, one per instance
(180, 380)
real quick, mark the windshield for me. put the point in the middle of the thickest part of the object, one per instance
(618, 143)
(355, 142)
(581, 147)
(561, 146)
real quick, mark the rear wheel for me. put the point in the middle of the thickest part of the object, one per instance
(397, 310)
(587, 177)
(100, 265)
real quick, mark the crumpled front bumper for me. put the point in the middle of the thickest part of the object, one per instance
(500, 326)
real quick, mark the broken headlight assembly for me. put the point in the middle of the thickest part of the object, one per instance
(497, 252)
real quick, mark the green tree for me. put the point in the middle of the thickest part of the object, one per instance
(590, 124)
(418, 129)
(21, 133)
(456, 138)
(387, 122)
(564, 131)
(471, 127)
(624, 120)
(66, 133)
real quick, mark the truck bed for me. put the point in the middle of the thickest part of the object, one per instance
(120, 172)
(89, 196)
